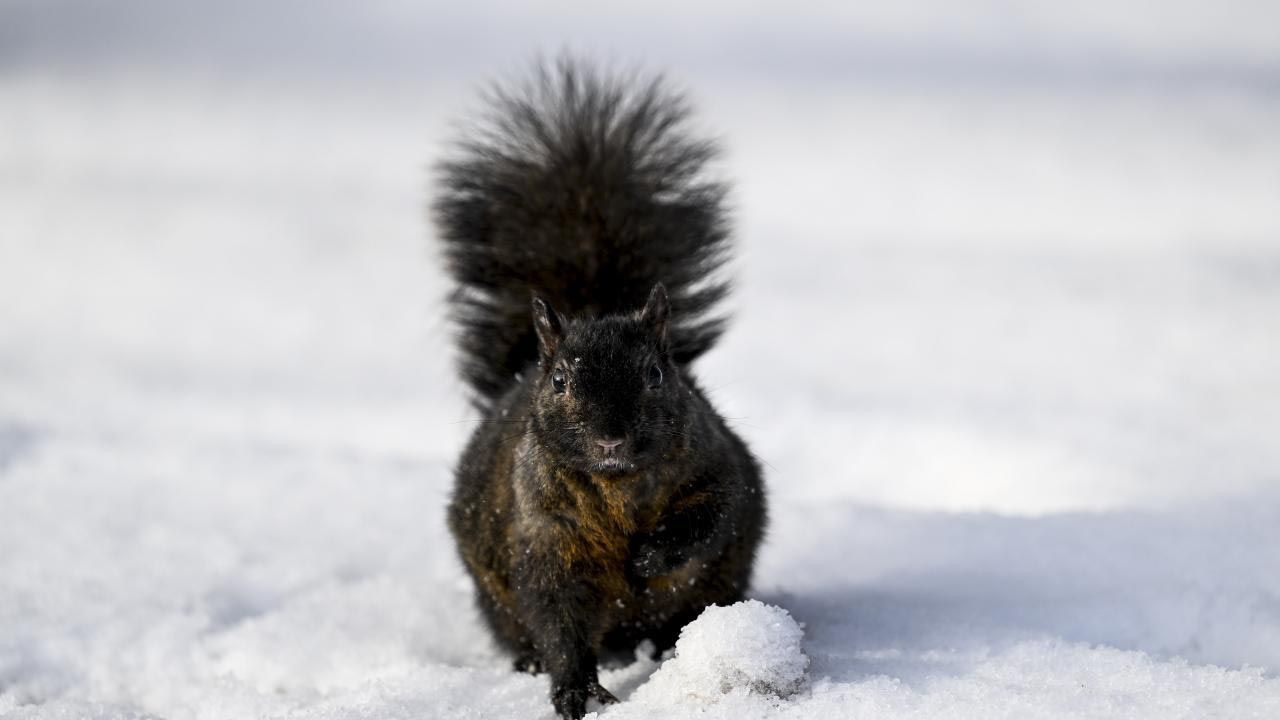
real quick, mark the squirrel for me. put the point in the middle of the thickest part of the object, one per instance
(601, 500)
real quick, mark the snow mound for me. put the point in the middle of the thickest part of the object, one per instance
(748, 647)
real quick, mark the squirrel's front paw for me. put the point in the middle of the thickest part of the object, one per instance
(650, 560)
(647, 562)
(570, 701)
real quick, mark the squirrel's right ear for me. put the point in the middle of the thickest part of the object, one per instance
(549, 326)
(656, 311)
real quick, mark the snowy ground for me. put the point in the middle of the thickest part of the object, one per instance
(1006, 341)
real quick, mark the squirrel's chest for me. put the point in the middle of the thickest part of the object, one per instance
(592, 525)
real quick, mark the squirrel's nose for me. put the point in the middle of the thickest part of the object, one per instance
(608, 445)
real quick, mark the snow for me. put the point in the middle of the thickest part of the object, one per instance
(1005, 342)
(748, 648)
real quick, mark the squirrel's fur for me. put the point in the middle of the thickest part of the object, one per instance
(601, 500)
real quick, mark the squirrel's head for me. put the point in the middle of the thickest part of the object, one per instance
(609, 399)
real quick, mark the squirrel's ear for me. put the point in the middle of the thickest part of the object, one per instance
(656, 311)
(549, 326)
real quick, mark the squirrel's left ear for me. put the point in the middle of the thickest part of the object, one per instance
(656, 311)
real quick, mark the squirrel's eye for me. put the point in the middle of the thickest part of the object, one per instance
(558, 383)
(655, 376)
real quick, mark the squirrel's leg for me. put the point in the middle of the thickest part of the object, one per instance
(510, 634)
(561, 613)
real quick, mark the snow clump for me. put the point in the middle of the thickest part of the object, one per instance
(745, 648)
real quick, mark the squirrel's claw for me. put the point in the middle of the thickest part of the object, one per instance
(597, 691)
(570, 701)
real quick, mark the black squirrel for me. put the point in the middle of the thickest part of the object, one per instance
(601, 501)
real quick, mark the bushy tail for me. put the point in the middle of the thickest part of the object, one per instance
(585, 189)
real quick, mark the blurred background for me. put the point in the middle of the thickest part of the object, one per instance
(1021, 257)
(1009, 258)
